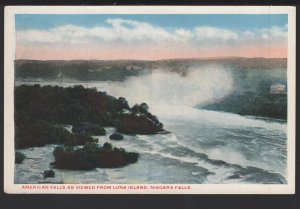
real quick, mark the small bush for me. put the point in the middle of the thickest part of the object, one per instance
(48, 173)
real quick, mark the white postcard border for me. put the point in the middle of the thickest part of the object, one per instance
(9, 56)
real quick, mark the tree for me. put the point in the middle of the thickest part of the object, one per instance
(123, 103)
(107, 146)
(144, 108)
(135, 108)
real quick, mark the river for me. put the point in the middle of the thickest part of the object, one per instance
(204, 147)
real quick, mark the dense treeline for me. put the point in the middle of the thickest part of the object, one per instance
(101, 70)
(74, 70)
(40, 133)
(251, 103)
(41, 113)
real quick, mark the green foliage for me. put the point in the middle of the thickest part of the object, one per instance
(123, 103)
(48, 173)
(142, 108)
(78, 70)
(19, 157)
(37, 69)
(39, 110)
(78, 139)
(139, 121)
(70, 105)
(91, 148)
(136, 108)
(40, 133)
(256, 104)
(107, 146)
(91, 156)
(139, 124)
(88, 129)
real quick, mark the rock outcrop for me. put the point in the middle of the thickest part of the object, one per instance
(92, 156)
(116, 136)
(138, 124)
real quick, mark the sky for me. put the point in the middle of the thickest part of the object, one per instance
(149, 36)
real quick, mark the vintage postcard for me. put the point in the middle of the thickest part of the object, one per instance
(149, 100)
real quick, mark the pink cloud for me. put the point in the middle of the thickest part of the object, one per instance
(41, 52)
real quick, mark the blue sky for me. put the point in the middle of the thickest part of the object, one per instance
(150, 36)
(230, 21)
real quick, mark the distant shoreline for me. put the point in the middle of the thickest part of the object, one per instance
(151, 60)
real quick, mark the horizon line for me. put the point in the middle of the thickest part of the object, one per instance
(149, 60)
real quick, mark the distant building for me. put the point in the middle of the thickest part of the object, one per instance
(277, 89)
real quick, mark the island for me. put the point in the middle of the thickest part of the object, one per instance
(43, 112)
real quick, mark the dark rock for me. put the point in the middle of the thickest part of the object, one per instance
(131, 157)
(48, 173)
(139, 124)
(116, 136)
(19, 157)
(92, 156)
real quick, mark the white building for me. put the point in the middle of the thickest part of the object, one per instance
(277, 89)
